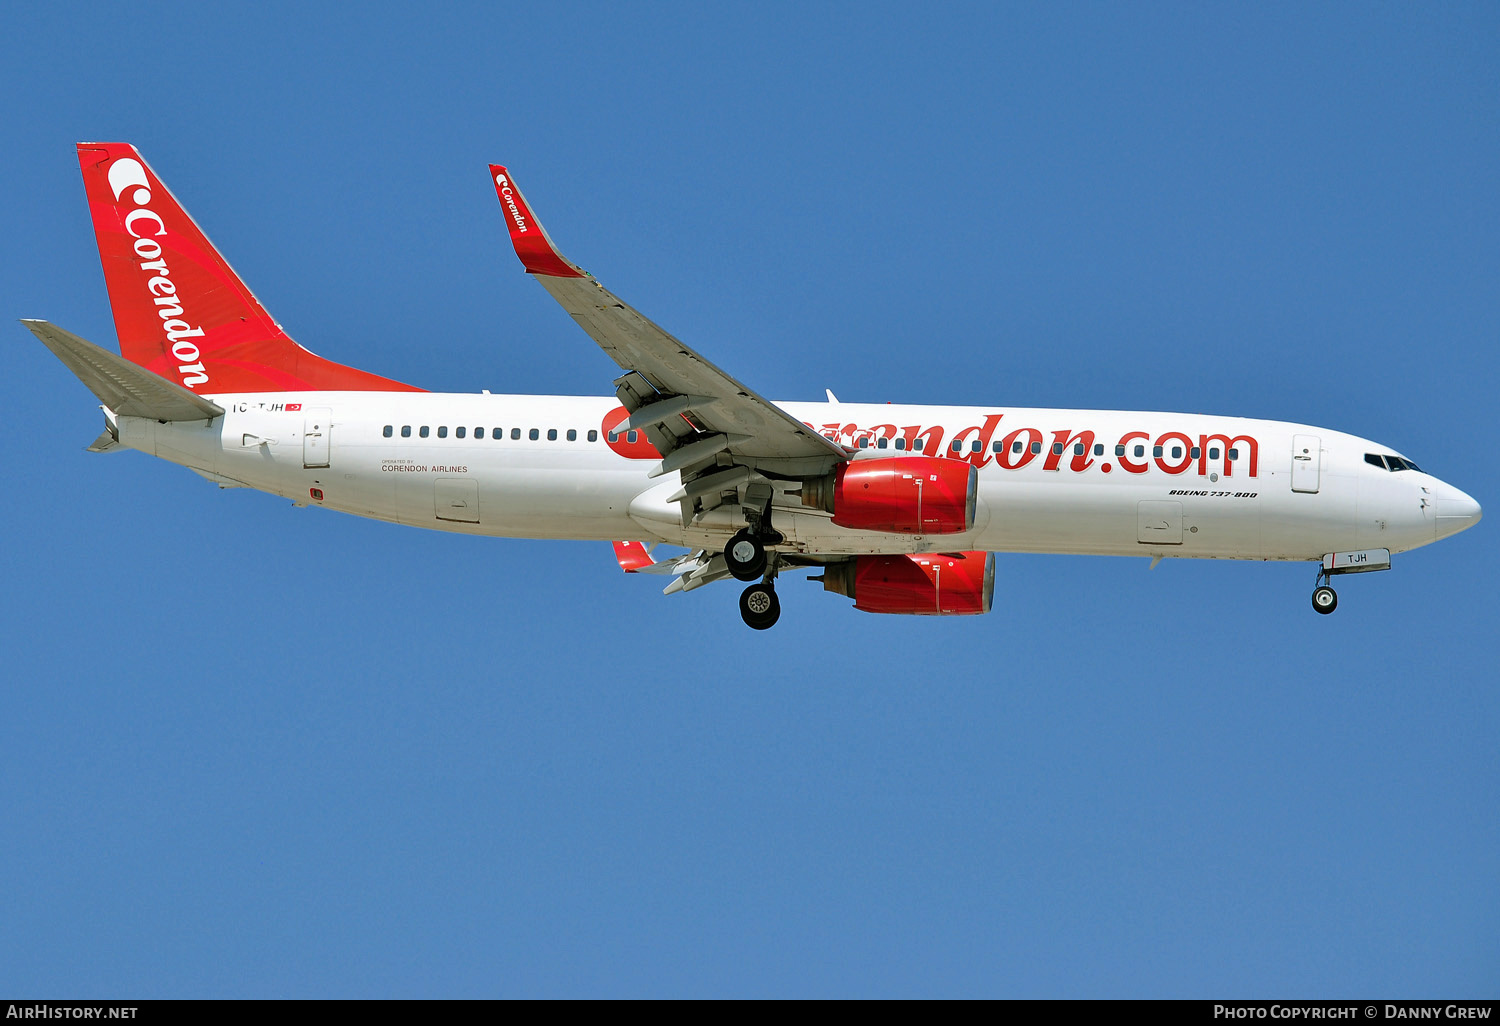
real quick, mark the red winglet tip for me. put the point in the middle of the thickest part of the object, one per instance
(632, 556)
(538, 254)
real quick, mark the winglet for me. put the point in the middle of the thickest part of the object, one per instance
(632, 556)
(533, 245)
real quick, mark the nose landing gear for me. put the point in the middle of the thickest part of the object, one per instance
(1361, 561)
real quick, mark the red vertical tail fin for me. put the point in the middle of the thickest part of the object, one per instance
(180, 310)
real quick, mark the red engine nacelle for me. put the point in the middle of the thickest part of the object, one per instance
(934, 584)
(899, 495)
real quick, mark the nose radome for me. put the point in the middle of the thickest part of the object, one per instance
(1455, 511)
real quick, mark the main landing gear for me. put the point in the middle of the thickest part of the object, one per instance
(759, 605)
(745, 556)
(747, 560)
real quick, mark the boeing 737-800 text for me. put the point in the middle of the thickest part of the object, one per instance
(901, 508)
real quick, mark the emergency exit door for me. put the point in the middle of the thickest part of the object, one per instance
(1307, 459)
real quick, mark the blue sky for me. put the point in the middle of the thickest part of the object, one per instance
(249, 750)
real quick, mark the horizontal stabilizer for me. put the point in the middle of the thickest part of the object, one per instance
(127, 389)
(106, 442)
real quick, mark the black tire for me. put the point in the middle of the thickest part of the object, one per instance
(759, 606)
(1324, 599)
(745, 556)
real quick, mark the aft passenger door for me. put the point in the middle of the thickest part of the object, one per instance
(1307, 459)
(317, 427)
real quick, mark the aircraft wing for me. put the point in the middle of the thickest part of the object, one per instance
(690, 410)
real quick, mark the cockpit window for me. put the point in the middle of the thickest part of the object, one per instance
(1390, 462)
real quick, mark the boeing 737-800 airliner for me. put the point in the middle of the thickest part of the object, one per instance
(898, 507)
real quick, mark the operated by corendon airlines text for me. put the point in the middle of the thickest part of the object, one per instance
(408, 467)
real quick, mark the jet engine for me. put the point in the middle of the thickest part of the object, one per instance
(899, 495)
(931, 584)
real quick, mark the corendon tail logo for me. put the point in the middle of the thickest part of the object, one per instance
(145, 226)
(508, 195)
(1172, 452)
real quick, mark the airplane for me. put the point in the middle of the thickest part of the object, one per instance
(898, 507)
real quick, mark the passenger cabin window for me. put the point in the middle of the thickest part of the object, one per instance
(1194, 451)
(1080, 449)
(459, 432)
(1156, 451)
(443, 431)
(919, 443)
(1177, 452)
(1017, 447)
(423, 430)
(882, 443)
(1234, 454)
(552, 434)
(631, 436)
(864, 443)
(1213, 453)
(1119, 450)
(900, 444)
(1099, 450)
(534, 434)
(572, 434)
(1036, 447)
(593, 436)
(405, 430)
(976, 446)
(515, 434)
(1140, 451)
(387, 431)
(1057, 448)
(956, 446)
(479, 432)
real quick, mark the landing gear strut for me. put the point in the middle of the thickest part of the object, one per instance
(759, 605)
(1324, 599)
(747, 559)
(746, 552)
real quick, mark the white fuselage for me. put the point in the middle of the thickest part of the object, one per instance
(1218, 487)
